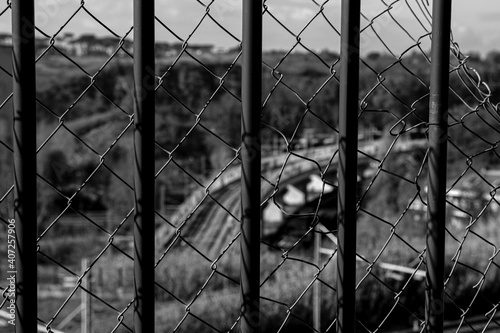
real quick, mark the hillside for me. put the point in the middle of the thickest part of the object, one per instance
(305, 99)
(5, 80)
(5, 90)
(5, 125)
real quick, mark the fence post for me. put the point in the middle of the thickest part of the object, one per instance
(438, 135)
(24, 101)
(86, 302)
(347, 172)
(144, 169)
(251, 168)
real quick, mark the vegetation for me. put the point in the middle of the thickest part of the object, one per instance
(210, 145)
(184, 273)
(394, 99)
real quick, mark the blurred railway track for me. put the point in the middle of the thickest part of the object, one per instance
(215, 222)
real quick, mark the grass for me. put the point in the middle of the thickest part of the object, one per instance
(202, 296)
(52, 68)
(103, 318)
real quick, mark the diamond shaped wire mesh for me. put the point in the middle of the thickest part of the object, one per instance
(85, 150)
(76, 178)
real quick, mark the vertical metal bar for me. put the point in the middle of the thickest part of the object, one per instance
(144, 127)
(438, 134)
(24, 87)
(86, 305)
(348, 150)
(251, 168)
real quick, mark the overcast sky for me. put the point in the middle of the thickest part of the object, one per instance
(475, 23)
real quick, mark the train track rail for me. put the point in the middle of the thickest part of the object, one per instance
(216, 221)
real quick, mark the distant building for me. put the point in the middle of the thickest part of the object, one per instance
(201, 49)
(5, 39)
(166, 50)
(88, 44)
(221, 50)
(92, 45)
(64, 42)
(466, 201)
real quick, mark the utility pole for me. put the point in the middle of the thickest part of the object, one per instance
(86, 301)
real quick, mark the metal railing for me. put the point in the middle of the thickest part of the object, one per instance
(335, 238)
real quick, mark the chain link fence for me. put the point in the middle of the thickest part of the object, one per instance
(85, 179)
